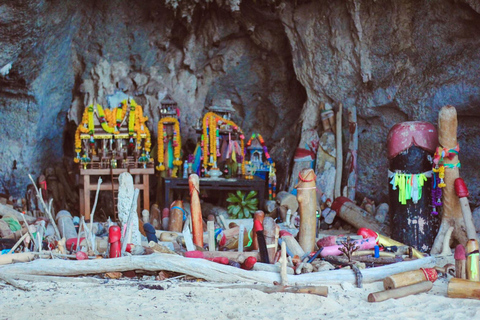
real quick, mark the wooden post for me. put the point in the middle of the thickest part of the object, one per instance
(258, 215)
(452, 212)
(196, 209)
(473, 272)
(269, 227)
(351, 161)
(400, 292)
(307, 200)
(211, 235)
(175, 222)
(283, 264)
(462, 193)
(460, 262)
(339, 160)
(410, 277)
(465, 289)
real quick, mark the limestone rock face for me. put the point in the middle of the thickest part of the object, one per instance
(395, 60)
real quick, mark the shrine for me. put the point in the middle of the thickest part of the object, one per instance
(109, 142)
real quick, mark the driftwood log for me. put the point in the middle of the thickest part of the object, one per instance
(316, 290)
(203, 269)
(452, 211)
(307, 200)
(400, 292)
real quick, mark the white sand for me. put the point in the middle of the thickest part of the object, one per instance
(123, 299)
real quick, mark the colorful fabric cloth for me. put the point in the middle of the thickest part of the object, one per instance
(409, 185)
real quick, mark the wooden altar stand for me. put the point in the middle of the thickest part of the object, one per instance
(89, 182)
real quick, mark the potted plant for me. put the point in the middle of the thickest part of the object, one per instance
(242, 205)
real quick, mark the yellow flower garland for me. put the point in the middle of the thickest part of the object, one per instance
(211, 119)
(177, 149)
(103, 121)
(82, 128)
(111, 124)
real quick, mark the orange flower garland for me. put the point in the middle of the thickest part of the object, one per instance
(210, 121)
(82, 128)
(177, 142)
(111, 121)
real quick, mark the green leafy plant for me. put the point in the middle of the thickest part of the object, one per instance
(242, 205)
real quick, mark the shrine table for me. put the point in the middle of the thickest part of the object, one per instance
(219, 184)
(140, 180)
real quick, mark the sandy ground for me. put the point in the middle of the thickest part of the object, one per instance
(177, 299)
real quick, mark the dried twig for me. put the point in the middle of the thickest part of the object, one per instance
(95, 206)
(47, 208)
(348, 248)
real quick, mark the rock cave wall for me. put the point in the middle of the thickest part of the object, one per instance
(276, 60)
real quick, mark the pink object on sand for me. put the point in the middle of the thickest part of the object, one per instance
(364, 244)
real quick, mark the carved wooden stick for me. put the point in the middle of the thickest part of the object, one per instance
(465, 289)
(460, 262)
(452, 212)
(307, 200)
(258, 215)
(462, 193)
(197, 226)
(473, 272)
(410, 277)
(211, 235)
(400, 292)
(175, 222)
(283, 264)
(269, 227)
(339, 160)
(351, 161)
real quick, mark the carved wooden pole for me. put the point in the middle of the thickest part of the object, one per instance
(351, 161)
(452, 211)
(175, 222)
(307, 200)
(465, 289)
(339, 161)
(197, 225)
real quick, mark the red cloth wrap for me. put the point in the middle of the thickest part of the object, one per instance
(461, 188)
(338, 203)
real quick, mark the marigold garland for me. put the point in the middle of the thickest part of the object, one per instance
(211, 134)
(82, 128)
(103, 121)
(111, 121)
(177, 142)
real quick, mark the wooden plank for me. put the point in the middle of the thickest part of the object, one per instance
(118, 171)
